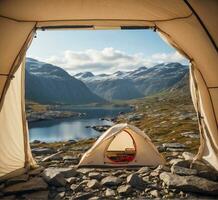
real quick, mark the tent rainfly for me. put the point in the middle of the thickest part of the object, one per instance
(122, 145)
(188, 25)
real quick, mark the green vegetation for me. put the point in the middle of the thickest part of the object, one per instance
(165, 116)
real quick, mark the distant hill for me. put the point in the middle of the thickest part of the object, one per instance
(49, 84)
(137, 83)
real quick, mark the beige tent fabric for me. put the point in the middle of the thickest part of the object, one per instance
(15, 149)
(146, 152)
(175, 19)
(11, 133)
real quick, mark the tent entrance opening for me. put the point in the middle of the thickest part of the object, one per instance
(122, 148)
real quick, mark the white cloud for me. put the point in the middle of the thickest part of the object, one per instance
(108, 60)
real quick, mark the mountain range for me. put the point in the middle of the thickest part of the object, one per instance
(50, 84)
(136, 83)
(46, 84)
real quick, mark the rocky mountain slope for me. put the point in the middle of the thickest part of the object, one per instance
(47, 84)
(137, 83)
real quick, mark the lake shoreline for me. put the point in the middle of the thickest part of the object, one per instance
(39, 112)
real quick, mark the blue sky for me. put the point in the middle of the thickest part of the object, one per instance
(101, 51)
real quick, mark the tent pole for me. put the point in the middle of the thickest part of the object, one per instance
(202, 24)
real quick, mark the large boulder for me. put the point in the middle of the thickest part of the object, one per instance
(183, 171)
(190, 183)
(56, 176)
(17, 179)
(33, 184)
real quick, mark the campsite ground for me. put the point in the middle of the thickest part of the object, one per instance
(170, 121)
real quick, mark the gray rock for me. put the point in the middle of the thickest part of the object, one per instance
(209, 174)
(36, 171)
(61, 189)
(36, 142)
(85, 170)
(59, 196)
(71, 180)
(71, 159)
(135, 181)
(174, 161)
(154, 173)
(174, 149)
(160, 148)
(203, 170)
(109, 192)
(84, 195)
(76, 187)
(146, 179)
(173, 145)
(155, 193)
(190, 183)
(94, 198)
(123, 176)
(111, 181)
(2, 185)
(94, 175)
(94, 184)
(162, 168)
(40, 195)
(33, 184)
(17, 179)
(118, 173)
(188, 155)
(124, 189)
(191, 134)
(54, 176)
(42, 151)
(199, 166)
(10, 197)
(183, 171)
(143, 170)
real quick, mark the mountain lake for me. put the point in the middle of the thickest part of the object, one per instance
(73, 128)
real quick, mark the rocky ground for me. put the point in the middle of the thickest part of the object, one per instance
(58, 177)
(171, 124)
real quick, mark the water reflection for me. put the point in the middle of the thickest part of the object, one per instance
(50, 131)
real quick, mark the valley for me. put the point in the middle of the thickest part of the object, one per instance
(167, 116)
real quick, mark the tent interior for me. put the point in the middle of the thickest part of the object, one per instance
(122, 149)
(190, 26)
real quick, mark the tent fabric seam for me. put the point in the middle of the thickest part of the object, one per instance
(13, 68)
(202, 23)
(36, 21)
(209, 97)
